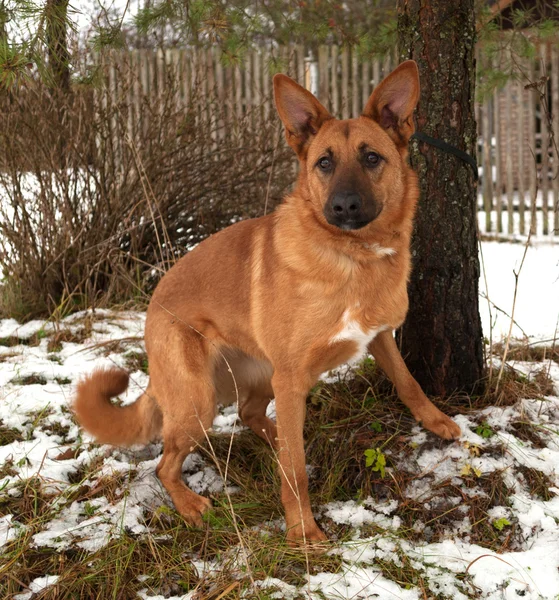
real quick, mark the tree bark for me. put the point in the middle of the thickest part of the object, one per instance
(57, 43)
(3, 20)
(441, 338)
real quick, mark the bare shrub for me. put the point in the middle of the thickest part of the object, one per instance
(101, 190)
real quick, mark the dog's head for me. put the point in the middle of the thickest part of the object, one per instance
(353, 170)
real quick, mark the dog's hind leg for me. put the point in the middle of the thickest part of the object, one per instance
(253, 414)
(246, 381)
(177, 446)
(183, 381)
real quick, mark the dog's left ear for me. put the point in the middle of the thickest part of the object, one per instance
(301, 113)
(393, 101)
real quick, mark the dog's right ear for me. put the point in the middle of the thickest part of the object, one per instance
(393, 101)
(301, 113)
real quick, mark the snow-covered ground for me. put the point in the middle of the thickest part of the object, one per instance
(536, 311)
(37, 384)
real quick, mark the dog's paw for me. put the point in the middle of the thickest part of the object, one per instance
(192, 510)
(312, 539)
(441, 425)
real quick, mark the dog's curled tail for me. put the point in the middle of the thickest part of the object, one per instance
(137, 423)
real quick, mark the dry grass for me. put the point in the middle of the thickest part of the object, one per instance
(514, 386)
(345, 418)
(29, 380)
(528, 352)
(538, 483)
(9, 435)
(75, 336)
(162, 558)
(93, 215)
(336, 411)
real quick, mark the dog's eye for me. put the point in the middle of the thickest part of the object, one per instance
(372, 159)
(325, 163)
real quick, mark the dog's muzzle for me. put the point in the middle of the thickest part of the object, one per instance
(346, 210)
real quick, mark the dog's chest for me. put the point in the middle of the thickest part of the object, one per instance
(352, 330)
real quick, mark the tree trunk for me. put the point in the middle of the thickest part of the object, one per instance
(441, 338)
(3, 20)
(56, 18)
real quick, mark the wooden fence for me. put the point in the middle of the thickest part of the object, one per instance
(517, 149)
(519, 130)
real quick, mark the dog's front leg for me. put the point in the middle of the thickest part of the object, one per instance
(290, 414)
(388, 357)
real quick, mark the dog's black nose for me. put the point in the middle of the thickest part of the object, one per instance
(346, 211)
(346, 205)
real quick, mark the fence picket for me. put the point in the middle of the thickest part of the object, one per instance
(521, 177)
(532, 147)
(323, 82)
(354, 84)
(334, 81)
(544, 145)
(487, 183)
(220, 93)
(509, 122)
(508, 159)
(136, 100)
(376, 72)
(498, 178)
(257, 98)
(555, 145)
(114, 91)
(186, 66)
(266, 85)
(345, 83)
(300, 64)
(238, 96)
(366, 84)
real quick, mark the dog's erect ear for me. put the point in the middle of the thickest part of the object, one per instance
(393, 101)
(301, 113)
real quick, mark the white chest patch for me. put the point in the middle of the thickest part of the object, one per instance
(380, 250)
(352, 331)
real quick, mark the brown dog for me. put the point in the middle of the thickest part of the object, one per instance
(261, 309)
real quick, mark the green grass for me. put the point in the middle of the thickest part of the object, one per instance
(136, 361)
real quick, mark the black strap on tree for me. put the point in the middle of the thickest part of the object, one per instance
(448, 148)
